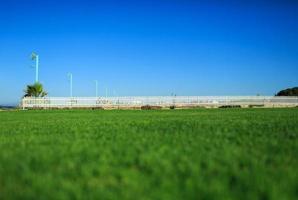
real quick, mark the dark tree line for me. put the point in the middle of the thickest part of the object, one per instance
(288, 92)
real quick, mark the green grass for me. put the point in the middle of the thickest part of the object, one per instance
(175, 154)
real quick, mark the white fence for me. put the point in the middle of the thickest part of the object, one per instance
(163, 101)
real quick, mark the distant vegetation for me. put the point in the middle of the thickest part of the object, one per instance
(148, 107)
(35, 90)
(6, 107)
(288, 92)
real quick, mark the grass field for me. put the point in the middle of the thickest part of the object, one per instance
(175, 154)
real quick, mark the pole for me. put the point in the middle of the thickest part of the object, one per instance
(71, 85)
(106, 92)
(36, 68)
(70, 80)
(96, 88)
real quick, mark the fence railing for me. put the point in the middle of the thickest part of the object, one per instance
(163, 101)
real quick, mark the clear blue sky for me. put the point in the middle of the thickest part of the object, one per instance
(157, 47)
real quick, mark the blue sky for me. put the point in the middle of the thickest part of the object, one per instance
(153, 47)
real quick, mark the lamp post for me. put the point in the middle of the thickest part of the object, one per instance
(70, 81)
(35, 57)
(96, 88)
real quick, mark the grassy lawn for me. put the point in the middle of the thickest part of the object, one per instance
(175, 154)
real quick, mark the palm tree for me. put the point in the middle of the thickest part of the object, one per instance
(35, 90)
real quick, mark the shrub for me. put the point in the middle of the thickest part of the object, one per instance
(172, 107)
(97, 108)
(35, 90)
(148, 107)
(230, 106)
(254, 106)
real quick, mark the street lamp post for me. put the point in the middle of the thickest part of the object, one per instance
(70, 80)
(96, 88)
(35, 57)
